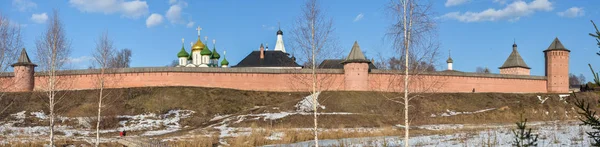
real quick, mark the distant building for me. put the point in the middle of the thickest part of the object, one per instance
(200, 56)
(277, 59)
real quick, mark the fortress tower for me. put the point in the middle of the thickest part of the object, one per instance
(557, 67)
(514, 64)
(23, 70)
(356, 70)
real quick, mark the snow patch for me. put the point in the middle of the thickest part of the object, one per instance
(307, 105)
(275, 136)
(453, 113)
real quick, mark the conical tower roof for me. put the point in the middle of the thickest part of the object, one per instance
(23, 60)
(514, 60)
(556, 45)
(356, 55)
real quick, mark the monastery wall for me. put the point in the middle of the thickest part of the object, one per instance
(291, 80)
(458, 82)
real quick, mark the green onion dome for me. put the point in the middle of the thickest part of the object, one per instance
(215, 54)
(182, 53)
(205, 51)
(224, 62)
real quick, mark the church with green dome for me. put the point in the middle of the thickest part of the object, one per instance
(201, 55)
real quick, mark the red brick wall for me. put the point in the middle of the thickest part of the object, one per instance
(515, 71)
(242, 81)
(301, 82)
(434, 83)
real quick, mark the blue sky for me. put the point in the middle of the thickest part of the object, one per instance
(479, 32)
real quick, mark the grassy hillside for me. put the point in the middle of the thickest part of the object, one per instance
(369, 109)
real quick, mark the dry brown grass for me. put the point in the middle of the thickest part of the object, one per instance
(57, 143)
(257, 136)
(196, 142)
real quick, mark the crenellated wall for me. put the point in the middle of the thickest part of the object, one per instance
(296, 80)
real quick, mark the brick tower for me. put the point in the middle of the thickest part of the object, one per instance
(557, 67)
(356, 70)
(24, 70)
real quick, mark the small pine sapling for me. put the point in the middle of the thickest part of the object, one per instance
(589, 119)
(596, 35)
(523, 135)
(596, 79)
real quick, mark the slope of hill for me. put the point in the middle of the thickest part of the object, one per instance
(192, 110)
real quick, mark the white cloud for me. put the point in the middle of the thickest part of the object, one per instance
(359, 17)
(190, 24)
(450, 3)
(174, 14)
(39, 18)
(572, 12)
(129, 9)
(134, 9)
(502, 2)
(172, 2)
(24, 5)
(154, 20)
(511, 12)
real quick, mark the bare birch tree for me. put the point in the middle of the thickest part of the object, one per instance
(53, 50)
(313, 39)
(103, 54)
(413, 32)
(10, 43)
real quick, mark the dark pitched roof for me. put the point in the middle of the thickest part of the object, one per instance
(23, 60)
(356, 55)
(514, 60)
(272, 59)
(556, 45)
(337, 64)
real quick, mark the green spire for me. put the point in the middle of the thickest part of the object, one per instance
(215, 54)
(224, 62)
(183, 53)
(205, 51)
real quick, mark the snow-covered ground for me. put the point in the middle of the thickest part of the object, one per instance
(23, 126)
(550, 134)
